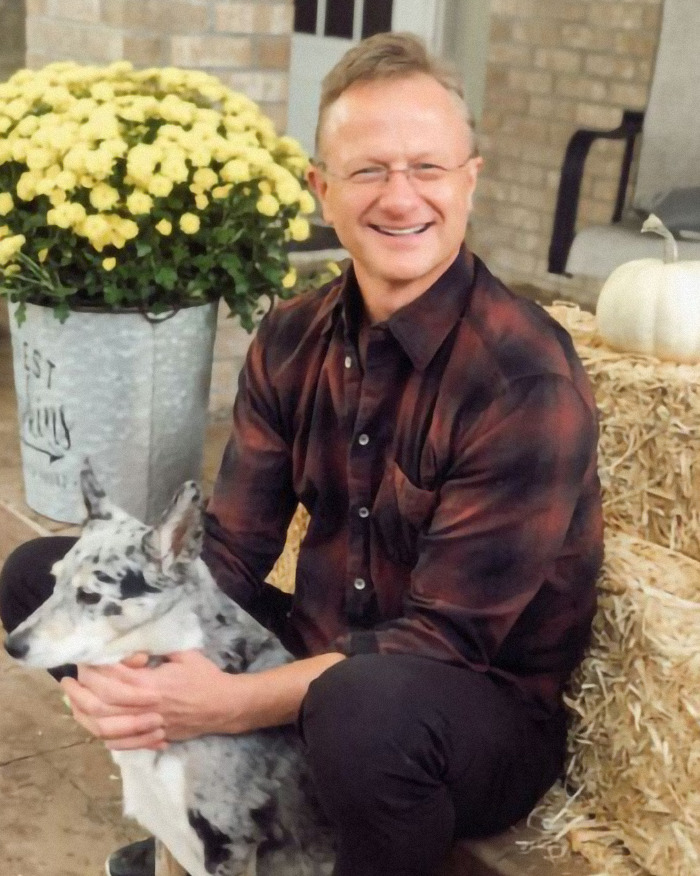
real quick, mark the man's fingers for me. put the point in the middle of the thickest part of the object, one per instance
(114, 687)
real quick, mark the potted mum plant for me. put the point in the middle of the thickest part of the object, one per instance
(131, 202)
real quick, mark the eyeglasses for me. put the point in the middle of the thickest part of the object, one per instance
(380, 174)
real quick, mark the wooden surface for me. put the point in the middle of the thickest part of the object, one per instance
(166, 865)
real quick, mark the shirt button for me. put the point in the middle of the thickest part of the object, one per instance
(359, 584)
(363, 512)
(363, 439)
(348, 362)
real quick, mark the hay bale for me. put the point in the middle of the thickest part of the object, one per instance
(649, 438)
(283, 573)
(634, 741)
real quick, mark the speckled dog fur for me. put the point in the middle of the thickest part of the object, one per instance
(222, 805)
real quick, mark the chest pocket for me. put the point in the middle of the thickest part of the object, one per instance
(401, 512)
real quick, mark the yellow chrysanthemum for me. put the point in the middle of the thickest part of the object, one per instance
(268, 205)
(58, 196)
(160, 186)
(99, 163)
(298, 228)
(307, 204)
(205, 178)
(201, 202)
(26, 186)
(66, 180)
(97, 230)
(6, 203)
(10, 246)
(139, 203)
(235, 171)
(109, 264)
(174, 168)
(289, 278)
(333, 268)
(103, 197)
(42, 254)
(221, 192)
(189, 223)
(164, 227)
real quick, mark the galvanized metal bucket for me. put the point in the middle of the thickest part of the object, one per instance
(127, 392)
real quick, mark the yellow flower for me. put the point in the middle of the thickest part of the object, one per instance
(5, 124)
(6, 203)
(58, 196)
(298, 228)
(268, 205)
(189, 223)
(289, 278)
(235, 171)
(201, 202)
(102, 91)
(160, 186)
(138, 203)
(307, 204)
(10, 246)
(27, 126)
(173, 167)
(66, 180)
(4, 231)
(26, 186)
(103, 197)
(333, 268)
(41, 255)
(221, 192)
(99, 163)
(200, 157)
(205, 178)
(164, 227)
(97, 230)
(109, 264)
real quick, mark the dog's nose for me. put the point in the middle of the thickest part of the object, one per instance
(16, 646)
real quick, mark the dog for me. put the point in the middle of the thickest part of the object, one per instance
(223, 805)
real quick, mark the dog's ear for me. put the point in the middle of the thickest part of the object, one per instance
(178, 536)
(96, 502)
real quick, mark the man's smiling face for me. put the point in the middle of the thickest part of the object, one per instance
(401, 232)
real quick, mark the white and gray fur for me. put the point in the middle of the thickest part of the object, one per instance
(223, 805)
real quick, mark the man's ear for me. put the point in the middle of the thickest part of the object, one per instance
(318, 185)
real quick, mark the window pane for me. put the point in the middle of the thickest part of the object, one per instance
(339, 15)
(305, 16)
(376, 17)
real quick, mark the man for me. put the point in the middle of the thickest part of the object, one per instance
(442, 434)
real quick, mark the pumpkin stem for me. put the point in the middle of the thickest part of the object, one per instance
(653, 223)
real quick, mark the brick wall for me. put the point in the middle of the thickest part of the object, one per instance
(246, 44)
(11, 37)
(554, 66)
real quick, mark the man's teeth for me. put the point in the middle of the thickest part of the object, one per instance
(399, 231)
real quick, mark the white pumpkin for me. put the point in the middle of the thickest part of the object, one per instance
(652, 306)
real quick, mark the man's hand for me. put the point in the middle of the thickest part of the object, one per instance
(131, 705)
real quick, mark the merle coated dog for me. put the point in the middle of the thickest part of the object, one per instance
(222, 805)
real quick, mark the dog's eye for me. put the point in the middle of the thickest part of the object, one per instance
(88, 597)
(104, 578)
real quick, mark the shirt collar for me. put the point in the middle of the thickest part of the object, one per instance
(421, 326)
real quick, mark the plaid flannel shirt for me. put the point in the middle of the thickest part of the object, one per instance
(451, 482)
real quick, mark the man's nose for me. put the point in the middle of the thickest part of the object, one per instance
(399, 189)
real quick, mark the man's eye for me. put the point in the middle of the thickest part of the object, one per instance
(88, 597)
(368, 174)
(426, 171)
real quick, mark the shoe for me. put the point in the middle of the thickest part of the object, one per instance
(136, 859)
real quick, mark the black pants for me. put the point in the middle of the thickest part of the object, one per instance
(407, 753)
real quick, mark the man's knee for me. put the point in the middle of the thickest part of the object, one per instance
(25, 578)
(359, 730)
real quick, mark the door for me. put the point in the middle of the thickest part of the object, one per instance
(325, 29)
